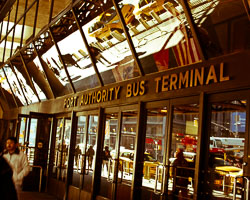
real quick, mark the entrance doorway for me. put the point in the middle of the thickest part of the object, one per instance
(119, 142)
(226, 171)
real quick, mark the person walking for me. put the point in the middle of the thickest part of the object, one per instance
(18, 162)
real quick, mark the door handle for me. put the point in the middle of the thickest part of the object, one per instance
(160, 192)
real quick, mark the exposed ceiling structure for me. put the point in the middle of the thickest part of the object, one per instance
(47, 53)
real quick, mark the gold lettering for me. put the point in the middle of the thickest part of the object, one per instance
(199, 76)
(173, 80)
(81, 101)
(65, 102)
(142, 88)
(93, 97)
(86, 99)
(222, 78)
(129, 90)
(191, 77)
(165, 83)
(99, 96)
(111, 93)
(90, 96)
(117, 89)
(75, 101)
(71, 102)
(211, 75)
(135, 89)
(183, 79)
(158, 79)
(104, 94)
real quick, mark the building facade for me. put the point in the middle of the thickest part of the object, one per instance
(103, 94)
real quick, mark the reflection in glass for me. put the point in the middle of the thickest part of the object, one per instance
(126, 156)
(90, 151)
(32, 140)
(79, 151)
(109, 153)
(109, 47)
(27, 89)
(223, 26)
(21, 135)
(154, 147)
(14, 84)
(77, 61)
(62, 143)
(160, 34)
(183, 149)
(226, 149)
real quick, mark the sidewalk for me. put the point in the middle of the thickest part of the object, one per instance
(36, 196)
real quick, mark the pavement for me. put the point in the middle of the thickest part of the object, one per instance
(35, 196)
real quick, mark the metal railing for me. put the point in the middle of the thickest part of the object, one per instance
(40, 177)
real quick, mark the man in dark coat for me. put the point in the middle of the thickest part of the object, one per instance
(7, 187)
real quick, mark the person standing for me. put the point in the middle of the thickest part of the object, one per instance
(90, 154)
(180, 176)
(18, 162)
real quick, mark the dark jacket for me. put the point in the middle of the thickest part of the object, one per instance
(7, 187)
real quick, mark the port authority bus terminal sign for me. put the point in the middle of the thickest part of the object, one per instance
(162, 83)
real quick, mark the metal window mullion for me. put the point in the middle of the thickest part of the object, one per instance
(51, 10)
(6, 37)
(247, 8)
(20, 85)
(4, 96)
(60, 56)
(20, 18)
(10, 88)
(193, 28)
(1, 31)
(35, 20)
(46, 74)
(88, 49)
(29, 78)
(128, 37)
(24, 19)
(14, 28)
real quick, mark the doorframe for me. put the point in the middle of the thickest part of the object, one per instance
(208, 100)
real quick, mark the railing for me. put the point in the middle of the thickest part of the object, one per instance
(41, 175)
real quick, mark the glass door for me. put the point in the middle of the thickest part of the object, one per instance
(118, 153)
(84, 152)
(227, 149)
(171, 137)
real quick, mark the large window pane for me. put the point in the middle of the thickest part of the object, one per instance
(79, 151)
(226, 149)
(109, 153)
(223, 25)
(183, 150)
(154, 147)
(90, 151)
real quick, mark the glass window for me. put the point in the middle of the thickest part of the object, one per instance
(160, 34)
(21, 135)
(109, 153)
(79, 151)
(90, 151)
(32, 141)
(154, 147)
(14, 84)
(223, 26)
(77, 61)
(62, 143)
(226, 151)
(183, 149)
(109, 47)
